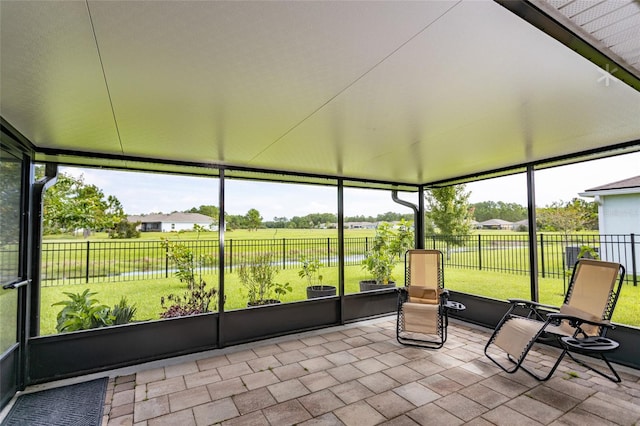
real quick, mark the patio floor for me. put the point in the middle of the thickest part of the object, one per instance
(359, 375)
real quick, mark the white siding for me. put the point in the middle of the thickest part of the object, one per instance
(620, 215)
(168, 226)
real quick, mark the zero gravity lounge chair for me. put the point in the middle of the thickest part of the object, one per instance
(423, 301)
(579, 325)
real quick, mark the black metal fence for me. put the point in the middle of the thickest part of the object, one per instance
(111, 261)
(557, 253)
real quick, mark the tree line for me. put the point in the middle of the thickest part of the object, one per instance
(72, 204)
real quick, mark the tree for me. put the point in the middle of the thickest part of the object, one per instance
(254, 220)
(574, 215)
(449, 211)
(486, 210)
(235, 221)
(588, 212)
(72, 204)
(278, 223)
(125, 229)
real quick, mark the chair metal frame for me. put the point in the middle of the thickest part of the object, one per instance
(548, 316)
(415, 339)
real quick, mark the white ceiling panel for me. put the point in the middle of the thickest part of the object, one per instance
(233, 77)
(396, 91)
(467, 90)
(51, 83)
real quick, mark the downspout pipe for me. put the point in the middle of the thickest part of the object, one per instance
(533, 244)
(39, 188)
(418, 216)
(222, 228)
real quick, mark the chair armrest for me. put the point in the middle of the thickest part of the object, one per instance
(533, 309)
(531, 304)
(553, 316)
(403, 295)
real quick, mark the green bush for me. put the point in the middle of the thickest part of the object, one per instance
(258, 278)
(389, 245)
(124, 229)
(83, 312)
(198, 298)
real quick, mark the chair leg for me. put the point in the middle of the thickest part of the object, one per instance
(550, 373)
(615, 378)
(520, 363)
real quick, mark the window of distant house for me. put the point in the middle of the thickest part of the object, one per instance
(173, 226)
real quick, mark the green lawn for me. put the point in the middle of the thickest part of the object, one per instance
(505, 286)
(102, 259)
(146, 293)
(8, 311)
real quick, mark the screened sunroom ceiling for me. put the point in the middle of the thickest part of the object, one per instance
(395, 91)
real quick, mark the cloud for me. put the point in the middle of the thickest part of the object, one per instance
(148, 192)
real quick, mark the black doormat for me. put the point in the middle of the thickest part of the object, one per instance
(79, 404)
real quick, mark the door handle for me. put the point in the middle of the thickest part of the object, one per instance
(16, 284)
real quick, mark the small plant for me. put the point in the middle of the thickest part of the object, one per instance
(388, 246)
(588, 252)
(184, 259)
(258, 278)
(197, 298)
(311, 271)
(585, 252)
(192, 302)
(123, 313)
(83, 312)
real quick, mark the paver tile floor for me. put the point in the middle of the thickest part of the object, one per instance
(358, 375)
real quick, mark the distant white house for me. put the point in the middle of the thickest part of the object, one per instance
(171, 222)
(360, 225)
(495, 224)
(618, 214)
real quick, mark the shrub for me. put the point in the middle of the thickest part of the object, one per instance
(258, 278)
(197, 298)
(195, 301)
(123, 313)
(388, 246)
(83, 312)
(125, 229)
(310, 270)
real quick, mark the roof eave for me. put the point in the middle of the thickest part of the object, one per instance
(606, 192)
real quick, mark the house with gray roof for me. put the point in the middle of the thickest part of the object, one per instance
(172, 222)
(618, 214)
(496, 224)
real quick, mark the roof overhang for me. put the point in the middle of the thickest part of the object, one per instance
(607, 192)
(388, 92)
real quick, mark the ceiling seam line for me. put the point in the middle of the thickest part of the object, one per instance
(104, 77)
(348, 86)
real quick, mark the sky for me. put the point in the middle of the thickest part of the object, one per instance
(142, 193)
